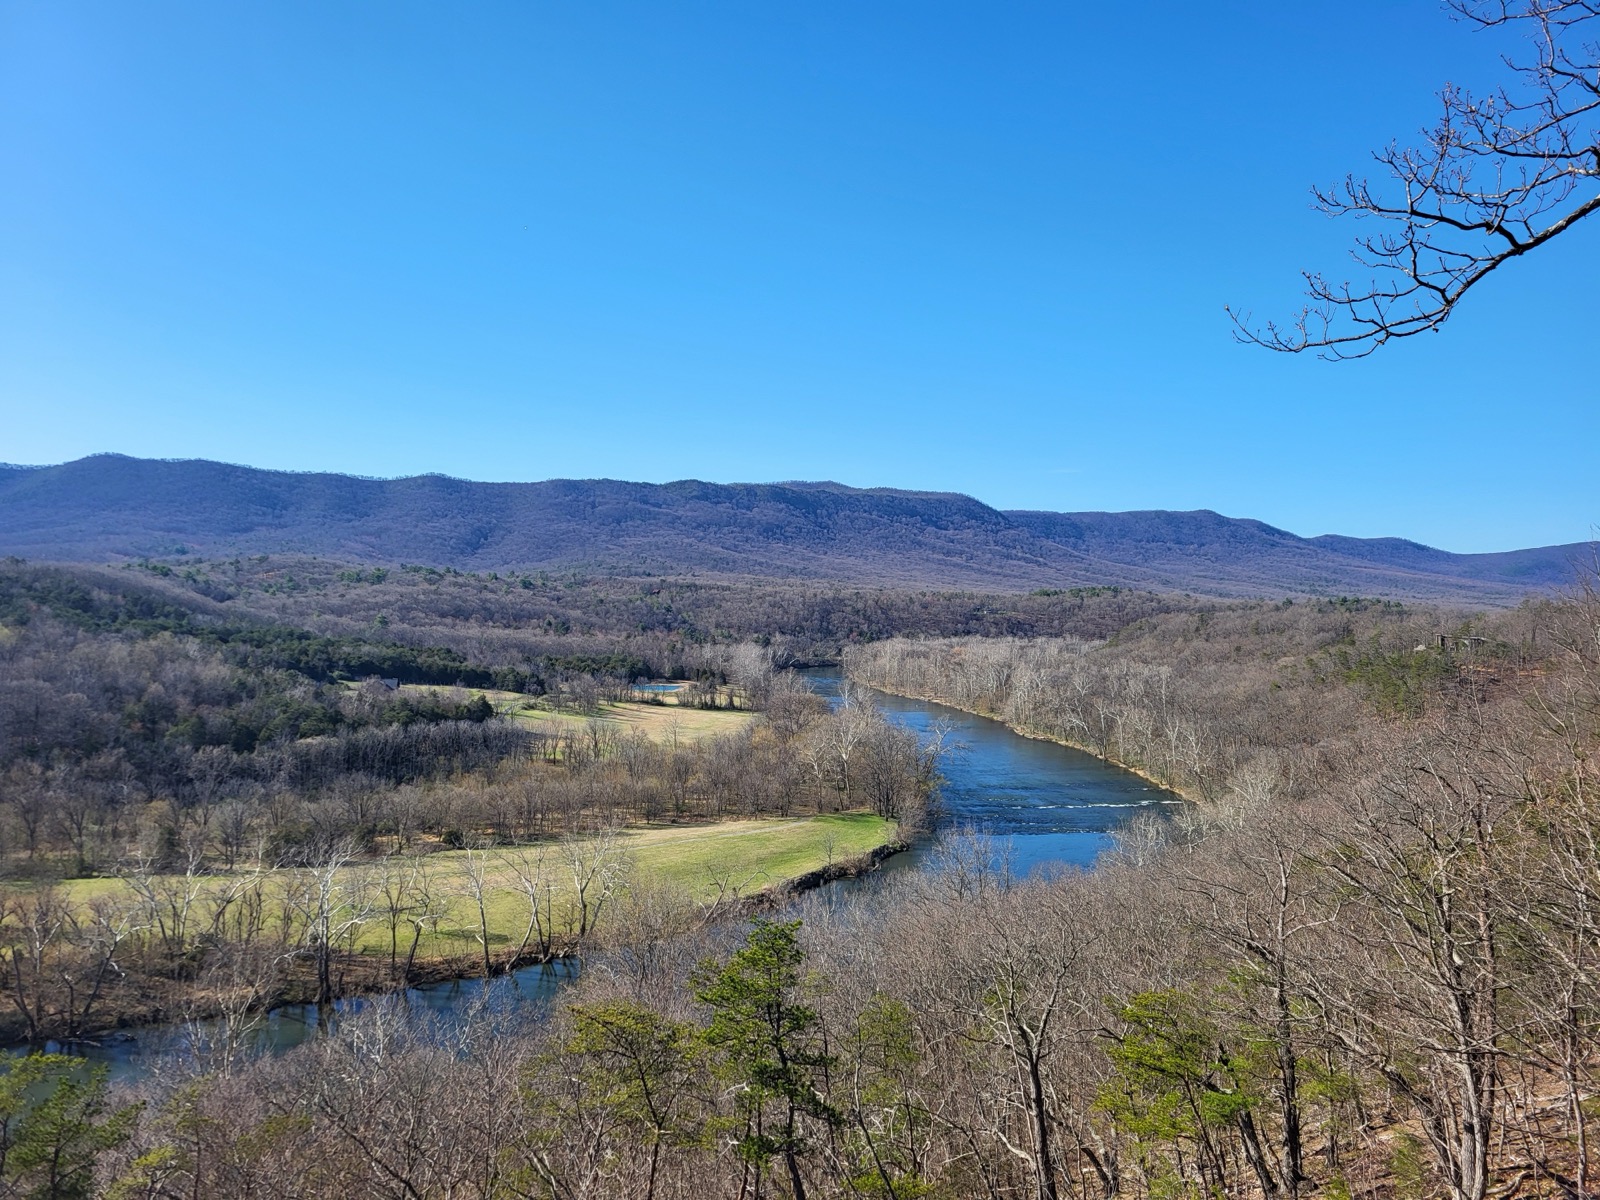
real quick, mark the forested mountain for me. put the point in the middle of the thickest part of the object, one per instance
(110, 506)
(1208, 553)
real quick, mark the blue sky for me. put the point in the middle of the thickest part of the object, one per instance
(966, 247)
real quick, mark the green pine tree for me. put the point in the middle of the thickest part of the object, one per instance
(55, 1122)
(766, 1042)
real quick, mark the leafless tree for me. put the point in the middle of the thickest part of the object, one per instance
(397, 880)
(1419, 995)
(1248, 894)
(599, 866)
(1499, 175)
(531, 877)
(476, 884)
(428, 905)
(168, 901)
(330, 901)
(1007, 990)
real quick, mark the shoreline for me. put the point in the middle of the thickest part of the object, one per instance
(361, 976)
(1031, 734)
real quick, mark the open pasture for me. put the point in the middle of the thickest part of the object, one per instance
(728, 859)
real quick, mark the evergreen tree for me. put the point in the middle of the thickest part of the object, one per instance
(768, 1045)
(55, 1119)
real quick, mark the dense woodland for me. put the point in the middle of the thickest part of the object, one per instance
(1197, 700)
(530, 616)
(1359, 964)
(128, 712)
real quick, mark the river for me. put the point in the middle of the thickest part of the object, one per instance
(1049, 806)
(1046, 807)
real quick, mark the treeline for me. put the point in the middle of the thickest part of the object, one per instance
(127, 716)
(99, 602)
(110, 747)
(1194, 699)
(1367, 969)
(800, 758)
(545, 613)
(524, 633)
(95, 727)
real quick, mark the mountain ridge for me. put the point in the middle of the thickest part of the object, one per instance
(114, 506)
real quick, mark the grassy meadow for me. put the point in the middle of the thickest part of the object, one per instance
(732, 858)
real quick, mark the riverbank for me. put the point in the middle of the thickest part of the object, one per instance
(728, 866)
(1026, 732)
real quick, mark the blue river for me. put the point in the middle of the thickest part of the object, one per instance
(1048, 806)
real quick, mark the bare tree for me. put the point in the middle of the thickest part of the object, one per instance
(57, 959)
(1248, 896)
(599, 866)
(168, 901)
(240, 980)
(1420, 994)
(398, 880)
(532, 878)
(1008, 989)
(331, 900)
(428, 905)
(476, 885)
(1499, 175)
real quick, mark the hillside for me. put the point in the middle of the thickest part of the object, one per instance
(108, 507)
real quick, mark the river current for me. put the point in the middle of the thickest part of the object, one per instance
(1049, 806)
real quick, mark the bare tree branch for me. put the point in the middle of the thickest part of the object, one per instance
(1498, 176)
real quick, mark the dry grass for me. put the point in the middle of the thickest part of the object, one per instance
(666, 723)
(663, 724)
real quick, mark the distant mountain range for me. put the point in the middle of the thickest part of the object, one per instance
(109, 507)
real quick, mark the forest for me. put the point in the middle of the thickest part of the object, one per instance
(1359, 962)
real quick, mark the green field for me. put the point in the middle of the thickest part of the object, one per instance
(733, 858)
(737, 857)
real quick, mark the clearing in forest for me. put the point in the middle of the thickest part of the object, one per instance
(665, 723)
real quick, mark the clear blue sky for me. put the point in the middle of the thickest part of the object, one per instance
(966, 247)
